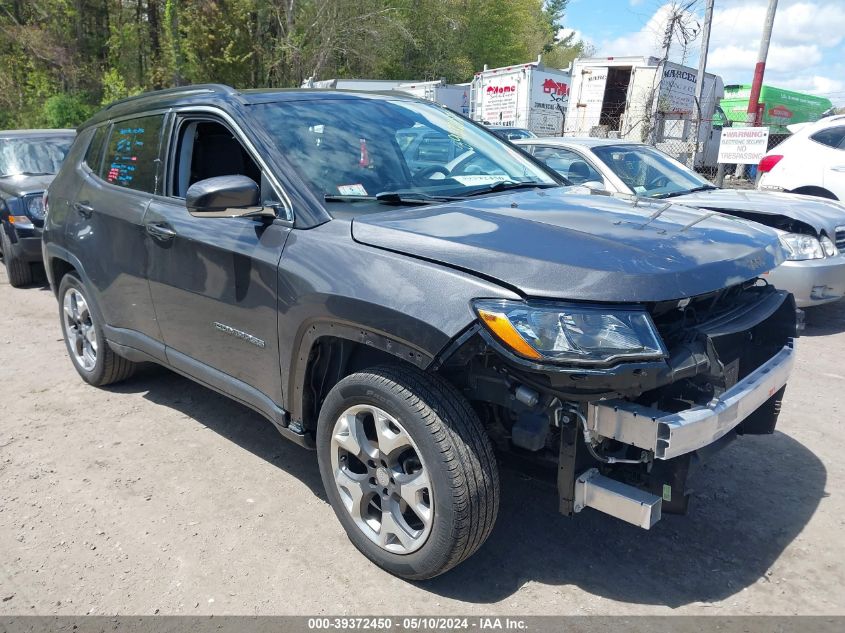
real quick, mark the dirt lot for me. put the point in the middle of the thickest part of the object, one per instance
(159, 496)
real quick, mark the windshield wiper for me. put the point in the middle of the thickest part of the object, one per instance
(508, 185)
(390, 197)
(400, 197)
(684, 192)
(29, 173)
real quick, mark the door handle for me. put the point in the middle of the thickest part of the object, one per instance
(84, 209)
(160, 231)
(838, 168)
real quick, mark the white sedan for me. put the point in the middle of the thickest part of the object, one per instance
(810, 162)
(812, 230)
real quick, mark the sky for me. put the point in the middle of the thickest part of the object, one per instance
(807, 51)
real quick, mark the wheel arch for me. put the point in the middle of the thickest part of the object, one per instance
(58, 262)
(813, 190)
(329, 351)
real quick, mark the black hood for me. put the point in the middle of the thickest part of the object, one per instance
(22, 185)
(547, 243)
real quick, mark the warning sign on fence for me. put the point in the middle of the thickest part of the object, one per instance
(743, 145)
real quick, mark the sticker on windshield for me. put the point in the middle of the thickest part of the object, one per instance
(480, 179)
(352, 190)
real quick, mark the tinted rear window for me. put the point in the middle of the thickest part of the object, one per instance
(94, 154)
(832, 137)
(132, 153)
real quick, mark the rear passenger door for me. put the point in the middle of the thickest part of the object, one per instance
(119, 175)
(832, 155)
(213, 280)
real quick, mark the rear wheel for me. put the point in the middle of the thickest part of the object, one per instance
(92, 357)
(408, 469)
(19, 272)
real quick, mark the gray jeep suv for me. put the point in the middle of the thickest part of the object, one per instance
(414, 326)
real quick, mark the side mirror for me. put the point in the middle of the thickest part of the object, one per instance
(226, 197)
(595, 185)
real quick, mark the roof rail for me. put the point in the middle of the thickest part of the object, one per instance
(185, 90)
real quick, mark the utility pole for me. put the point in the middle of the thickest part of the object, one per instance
(656, 125)
(699, 80)
(752, 116)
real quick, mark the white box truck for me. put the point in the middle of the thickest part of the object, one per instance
(453, 96)
(649, 100)
(528, 96)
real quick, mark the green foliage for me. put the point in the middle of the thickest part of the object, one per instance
(62, 59)
(66, 110)
(114, 87)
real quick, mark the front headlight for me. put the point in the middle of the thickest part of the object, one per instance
(828, 246)
(801, 247)
(571, 333)
(35, 207)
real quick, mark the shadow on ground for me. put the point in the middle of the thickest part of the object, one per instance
(228, 418)
(747, 508)
(751, 501)
(825, 319)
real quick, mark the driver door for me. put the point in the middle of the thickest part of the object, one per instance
(213, 280)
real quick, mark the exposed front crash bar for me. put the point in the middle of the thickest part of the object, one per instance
(673, 434)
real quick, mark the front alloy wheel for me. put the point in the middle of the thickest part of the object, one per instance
(408, 469)
(382, 479)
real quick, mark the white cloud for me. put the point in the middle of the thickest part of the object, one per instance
(781, 58)
(816, 84)
(795, 23)
(647, 41)
(808, 43)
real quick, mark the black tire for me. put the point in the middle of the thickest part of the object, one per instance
(108, 367)
(455, 449)
(818, 192)
(18, 272)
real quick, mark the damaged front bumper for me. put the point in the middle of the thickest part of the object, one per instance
(675, 435)
(670, 435)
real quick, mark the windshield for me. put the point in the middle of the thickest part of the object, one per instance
(513, 134)
(648, 172)
(351, 150)
(36, 155)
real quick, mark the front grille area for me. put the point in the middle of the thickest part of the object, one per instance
(748, 323)
(676, 320)
(840, 238)
(716, 339)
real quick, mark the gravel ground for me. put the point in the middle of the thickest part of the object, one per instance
(159, 496)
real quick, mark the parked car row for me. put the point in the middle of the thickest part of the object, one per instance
(810, 161)
(28, 161)
(811, 229)
(411, 312)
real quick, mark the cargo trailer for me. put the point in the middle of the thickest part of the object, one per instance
(647, 100)
(528, 96)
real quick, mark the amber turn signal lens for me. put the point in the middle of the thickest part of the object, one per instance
(506, 332)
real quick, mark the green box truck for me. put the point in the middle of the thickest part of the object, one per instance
(780, 107)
